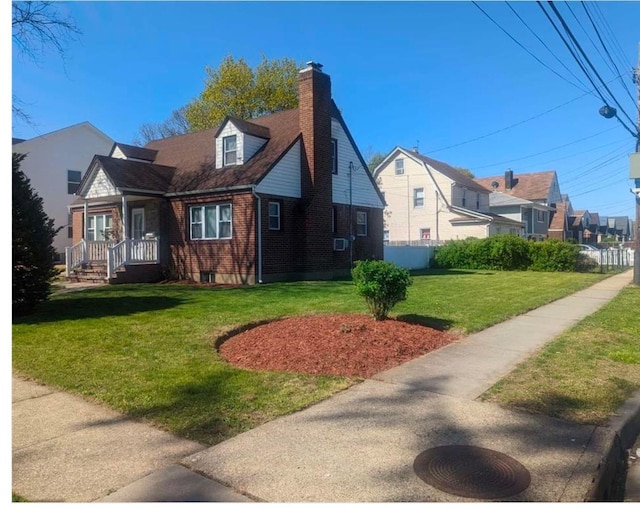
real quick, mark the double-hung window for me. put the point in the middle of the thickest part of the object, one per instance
(230, 150)
(274, 215)
(399, 166)
(73, 181)
(418, 197)
(210, 222)
(540, 215)
(99, 227)
(361, 223)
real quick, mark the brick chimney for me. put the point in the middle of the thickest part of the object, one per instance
(314, 96)
(508, 179)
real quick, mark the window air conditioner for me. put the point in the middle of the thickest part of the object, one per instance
(339, 244)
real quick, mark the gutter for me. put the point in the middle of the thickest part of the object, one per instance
(259, 230)
(210, 191)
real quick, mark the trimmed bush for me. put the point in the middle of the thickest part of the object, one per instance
(554, 256)
(510, 252)
(383, 284)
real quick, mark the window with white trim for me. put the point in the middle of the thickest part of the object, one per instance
(540, 215)
(274, 215)
(230, 150)
(334, 156)
(399, 164)
(210, 222)
(99, 227)
(418, 197)
(73, 181)
(361, 223)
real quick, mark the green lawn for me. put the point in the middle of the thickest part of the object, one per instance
(148, 349)
(586, 373)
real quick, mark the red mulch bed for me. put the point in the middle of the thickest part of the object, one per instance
(350, 345)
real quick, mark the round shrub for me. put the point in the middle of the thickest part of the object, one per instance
(554, 256)
(383, 284)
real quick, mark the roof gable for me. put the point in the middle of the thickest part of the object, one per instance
(133, 152)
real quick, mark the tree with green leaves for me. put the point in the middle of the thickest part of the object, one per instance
(235, 89)
(465, 172)
(32, 244)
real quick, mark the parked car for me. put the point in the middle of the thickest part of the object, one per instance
(584, 247)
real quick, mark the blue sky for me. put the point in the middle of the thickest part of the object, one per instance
(439, 75)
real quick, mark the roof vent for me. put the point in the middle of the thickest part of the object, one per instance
(495, 185)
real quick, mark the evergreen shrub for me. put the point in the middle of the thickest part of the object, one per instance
(382, 284)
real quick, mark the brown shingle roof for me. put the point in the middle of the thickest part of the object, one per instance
(128, 174)
(529, 186)
(558, 220)
(193, 155)
(449, 171)
(137, 152)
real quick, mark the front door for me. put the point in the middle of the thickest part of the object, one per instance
(137, 223)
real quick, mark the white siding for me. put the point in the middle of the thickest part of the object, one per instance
(118, 154)
(251, 145)
(101, 186)
(404, 221)
(49, 157)
(284, 177)
(363, 192)
(229, 130)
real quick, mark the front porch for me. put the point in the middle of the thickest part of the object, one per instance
(129, 260)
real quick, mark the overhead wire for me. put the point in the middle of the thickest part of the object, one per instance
(595, 71)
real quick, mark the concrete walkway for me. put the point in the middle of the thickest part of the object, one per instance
(358, 446)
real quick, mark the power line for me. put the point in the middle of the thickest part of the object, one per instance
(570, 34)
(616, 45)
(546, 151)
(545, 45)
(529, 52)
(604, 46)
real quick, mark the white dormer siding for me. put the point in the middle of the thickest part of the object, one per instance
(363, 192)
(118, 154)
(284, 177)
(101, 186)
(246, 145)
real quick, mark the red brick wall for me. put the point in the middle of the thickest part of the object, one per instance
(78, 220)
(231, 260)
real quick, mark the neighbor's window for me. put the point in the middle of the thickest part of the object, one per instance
(540, 215)
(73, 181)
(274, 215)
(477, 201)
(464, 198)
(361, 223)
(229, 147)
(210, 222)
(418, 197)
(425, 234)
(99, 227)
(385, 237)
(399, 166)
(334, 156)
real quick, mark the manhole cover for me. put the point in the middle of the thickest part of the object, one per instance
(470, 471)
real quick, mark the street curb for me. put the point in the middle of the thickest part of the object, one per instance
(619, 436)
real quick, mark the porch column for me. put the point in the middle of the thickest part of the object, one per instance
(125, 218)
(85, 227)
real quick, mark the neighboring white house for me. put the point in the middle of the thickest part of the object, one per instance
(55, 164)
(430, 201)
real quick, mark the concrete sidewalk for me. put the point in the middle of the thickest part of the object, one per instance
(358, 446)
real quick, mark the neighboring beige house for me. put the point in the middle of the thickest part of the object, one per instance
(430, 201)
(55, 165)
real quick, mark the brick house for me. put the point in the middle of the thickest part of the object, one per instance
(281, 197)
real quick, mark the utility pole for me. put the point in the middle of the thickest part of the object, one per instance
(636, 232)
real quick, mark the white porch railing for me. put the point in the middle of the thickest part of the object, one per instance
(126, 252)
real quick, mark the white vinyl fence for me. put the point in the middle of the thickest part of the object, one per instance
(611, 258)
(412, 257)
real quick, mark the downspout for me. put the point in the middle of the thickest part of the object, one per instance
(259, 231)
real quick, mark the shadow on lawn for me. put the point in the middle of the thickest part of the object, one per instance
(429, 321)
(83, 308)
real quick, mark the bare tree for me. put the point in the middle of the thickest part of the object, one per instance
(35, 28)
(175, 125)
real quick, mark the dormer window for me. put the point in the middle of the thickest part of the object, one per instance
(229, 148)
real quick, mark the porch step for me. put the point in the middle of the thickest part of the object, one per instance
(95, 273)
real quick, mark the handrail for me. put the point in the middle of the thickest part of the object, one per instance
(75, 255)
(116, 257)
